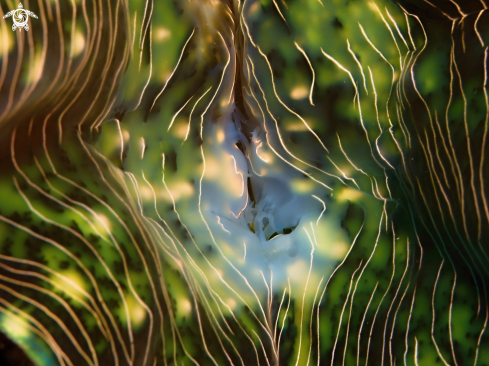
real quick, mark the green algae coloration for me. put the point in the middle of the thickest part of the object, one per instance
(276, 182)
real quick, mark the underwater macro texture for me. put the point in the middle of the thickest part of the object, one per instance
(255, 182)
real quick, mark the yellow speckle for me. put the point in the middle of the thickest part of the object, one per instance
(338, 250)
(298, 270)
(142, 145)
(125, 135)
(15, 326)
(35, 72)
(179, 128)
(6, 41)
(102, 222)
(165, 75)
(220, 135)
(184, 306)
(72, 284)
(372, 5)
(349, 194)
(224, 168)
(137, 313)
(231, 303)
(78, 43)
(302, 185)
(146, 192)
(181, 189)
(299, 92)
(263, 155)
(219, 274)
(296, 126)
(254, 9)
(161, 34)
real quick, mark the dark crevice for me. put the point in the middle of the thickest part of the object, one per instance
(250, 190)
(11, 354)
(247, 125)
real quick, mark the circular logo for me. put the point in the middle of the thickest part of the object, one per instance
(20, 17)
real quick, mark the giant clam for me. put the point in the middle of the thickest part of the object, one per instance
(245, 182)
